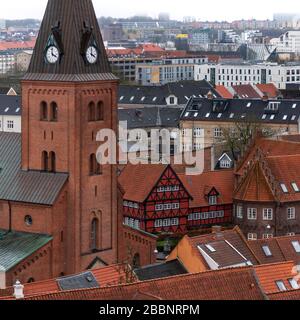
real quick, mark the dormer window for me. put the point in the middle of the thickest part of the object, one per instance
(172, 100)
(273, 106)
(213, 200)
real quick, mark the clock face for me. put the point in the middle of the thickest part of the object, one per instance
(52, 54)
(91, 54)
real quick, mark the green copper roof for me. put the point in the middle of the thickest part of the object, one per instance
(17, 246)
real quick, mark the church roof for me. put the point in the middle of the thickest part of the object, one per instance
(71, 19)
(25, 186)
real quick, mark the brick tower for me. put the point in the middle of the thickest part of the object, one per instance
(68, 95)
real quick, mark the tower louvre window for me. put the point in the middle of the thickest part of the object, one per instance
(53, 111)
(91, 111)
(44, 161)
(52, 158)
(99, 111)
(94, 234)
(44, 111)
(95, 166)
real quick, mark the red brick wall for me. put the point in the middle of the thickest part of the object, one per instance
(74, 140)
(137, 242)
(37, 266)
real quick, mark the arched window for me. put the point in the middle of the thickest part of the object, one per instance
(91, 112)
(52, 158)
(94, 234)
(92, 164)
(53, 111)
(30, 280)
(100, 111)
(45, 161)
(44, 111)
(95, 167)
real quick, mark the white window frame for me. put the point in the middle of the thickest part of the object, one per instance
(159, 207)
(213, 200)
(239, 212)
(267, 236)
(291, 213)
(267, 214)
(252, 236)
(252, 213)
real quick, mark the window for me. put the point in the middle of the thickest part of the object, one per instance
(267, 236)
(10, 124)
(218, 133)
(95, 166)
(44, 165)
(53, 111)
(284, 188)
(213, 200)
(172, 100)
(198, 132)
(294, 284)
(239, 212)
(268, 214)
(175, 222)
(291, 213)
(94, 234)
(296, 246)
(28, 220)
(225, 164)
(100, 111)
(210, 248)
(159, 207)
(91, 112)
(295, 187)
(252, 236)
(52, 157)
(44, 111)
(175, 206)
(281, 286)
(252, 213)
(267, 251)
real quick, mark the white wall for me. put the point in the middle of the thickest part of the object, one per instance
(4, 121)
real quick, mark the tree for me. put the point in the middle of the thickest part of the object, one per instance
(238, 136)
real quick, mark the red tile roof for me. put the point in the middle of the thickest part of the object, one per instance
(246, 91)
(269, 89)
(224, 92)
(269, 274)
(230, 284)
(137, 181)
(287, 295)
(16, 45)
(234, 236)
(108, 276)
(199, 185)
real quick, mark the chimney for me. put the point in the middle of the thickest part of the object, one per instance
(216, 229)
(210, 95)
(265, 97)
(18, 290)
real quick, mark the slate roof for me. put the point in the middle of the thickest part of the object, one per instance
(156, 95)
(17, 246)
(4, 90)
(151, 117)
(158, 271)
(10, 105)
(72, 14)
(233, 110)
(25, 186)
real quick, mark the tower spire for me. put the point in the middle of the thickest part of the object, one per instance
(69, 46)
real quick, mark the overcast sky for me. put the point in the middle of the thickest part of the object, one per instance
(218, 10)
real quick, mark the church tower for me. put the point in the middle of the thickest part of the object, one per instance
(68, 95)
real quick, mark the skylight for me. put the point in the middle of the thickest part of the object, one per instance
(187, 114)
(220, 115)
(154, 99)
(210, 248)
(294, 106)
(285, 117)
(196, 114)
(294, 118)
(296, 246)
(264, 116)
(132, 98)
(6, 109)
(207, 115)
(295, 187)
(249, 105)
(18, 109)
(121, 98)
(294, 284)
(284, 188)
(267, 251)
(281, 286)
(186, 97)
(272, 117)
(143, 98)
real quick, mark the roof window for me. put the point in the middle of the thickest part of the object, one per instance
(296, 246)
(267, 251)
(284, 188)
(210, 248)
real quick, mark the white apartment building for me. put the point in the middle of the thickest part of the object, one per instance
(7, 61)
(236, 74)
(168, 70)
(289, 42)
